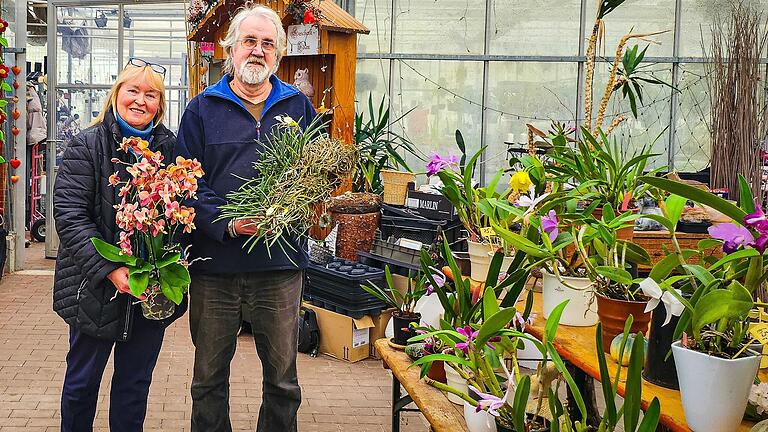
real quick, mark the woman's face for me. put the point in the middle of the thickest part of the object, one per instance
(137, 102)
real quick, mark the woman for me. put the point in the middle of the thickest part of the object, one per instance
(90, 293)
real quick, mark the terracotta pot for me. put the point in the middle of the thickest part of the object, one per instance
(437, 371)
(356, 233)
(613, 314)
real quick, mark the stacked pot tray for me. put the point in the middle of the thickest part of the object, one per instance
(336, 286)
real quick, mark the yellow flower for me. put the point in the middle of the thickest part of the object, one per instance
(520, 182)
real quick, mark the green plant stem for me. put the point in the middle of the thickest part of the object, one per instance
(446, 388)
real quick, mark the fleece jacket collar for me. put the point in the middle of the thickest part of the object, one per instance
(280, 91)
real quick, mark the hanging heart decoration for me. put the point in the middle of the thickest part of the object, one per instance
(16, 70)
(15, 131)
(16, 114)
(14, 179)
(15, 163)
(16, 85)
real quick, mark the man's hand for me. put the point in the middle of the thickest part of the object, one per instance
(247, 227)
(119, 278)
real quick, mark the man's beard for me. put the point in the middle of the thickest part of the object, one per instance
(253, 75)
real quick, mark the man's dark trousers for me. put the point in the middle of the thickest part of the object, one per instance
(272, 301)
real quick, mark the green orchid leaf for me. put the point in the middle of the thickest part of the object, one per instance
(138, 282)
(615, 274)
(520, 242)
(520, 403)
(605, 379)
(552, 322)
(651, 418)
(697, 195)
(429, 359)
(634, 387)
(112, 252)
(490, 305)
(675, 205)
(746, 202)
(169, 259)
(732, 303)
(662, 269)
(493, 324)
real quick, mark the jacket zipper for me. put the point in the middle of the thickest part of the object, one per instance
(127, 320)
(258, 130)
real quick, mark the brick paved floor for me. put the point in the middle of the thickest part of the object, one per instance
(33, 343)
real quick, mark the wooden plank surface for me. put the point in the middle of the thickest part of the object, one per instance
(442, 414)
(577, 345)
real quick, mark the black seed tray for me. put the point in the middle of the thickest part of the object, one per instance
(344, 277)
(349, 311)
(395, 266)
(344, 299)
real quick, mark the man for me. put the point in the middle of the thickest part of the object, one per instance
(225, 128)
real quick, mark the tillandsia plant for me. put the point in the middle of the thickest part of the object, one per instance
(149, 215)
(715, 320)
(403, 302)
(298, 169)
(380, 147)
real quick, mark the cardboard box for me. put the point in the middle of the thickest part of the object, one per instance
(378, 330)
(343, 337)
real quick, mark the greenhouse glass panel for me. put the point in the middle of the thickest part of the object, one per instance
(550, 28)
(439, 27)
(522, 93)
(692, 138)
(640, 16)
(372, 79)
(87, 44)
(377, 16)
(447, 100)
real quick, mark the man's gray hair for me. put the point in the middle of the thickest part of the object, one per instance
(233, 34)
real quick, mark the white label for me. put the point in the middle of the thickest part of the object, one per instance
(303, 39)
(412, 203)
(360, 337)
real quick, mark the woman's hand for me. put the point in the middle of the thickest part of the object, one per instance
(119, 278)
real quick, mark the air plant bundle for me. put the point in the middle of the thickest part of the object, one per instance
(297, 170)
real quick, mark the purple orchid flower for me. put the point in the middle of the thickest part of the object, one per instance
(439, 279)
(519, 322)
(549, 224)
(757, 220)
(468, 333)
(438, 163)
(734, 236)
(494, 339)
(490, 402)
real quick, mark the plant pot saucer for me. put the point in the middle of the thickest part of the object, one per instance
(392, 344)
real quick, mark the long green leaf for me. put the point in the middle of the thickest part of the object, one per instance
(520, 403)
(605, 378)
(634, 387)
(663, 268)
(558, 361)
(651, 418)
(138, 282)
(746, 202)
(490, 305)
(493, 324)
(112, 252)
(697, 195)
(552, 322)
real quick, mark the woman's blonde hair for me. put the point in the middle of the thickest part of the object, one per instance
(154, 79)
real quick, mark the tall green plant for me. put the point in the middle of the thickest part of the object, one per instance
(380, 147)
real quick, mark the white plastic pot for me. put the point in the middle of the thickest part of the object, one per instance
(714, 390)
(478, 421)
(456, 381)
(480, 260)
(528, 357)
(581, 310)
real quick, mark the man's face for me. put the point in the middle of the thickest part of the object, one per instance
(254, 65)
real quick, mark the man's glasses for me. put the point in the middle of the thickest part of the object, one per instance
(267, 46)
(137, 62)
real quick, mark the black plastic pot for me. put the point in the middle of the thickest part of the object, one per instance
(528, 416)
(693, 227)
(402, 325)
(660, 369)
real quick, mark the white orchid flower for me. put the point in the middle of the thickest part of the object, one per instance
(657, 295)
(530, 201)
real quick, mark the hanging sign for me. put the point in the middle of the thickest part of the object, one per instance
(303, 39)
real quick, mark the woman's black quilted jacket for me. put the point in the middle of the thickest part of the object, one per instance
(83, 208)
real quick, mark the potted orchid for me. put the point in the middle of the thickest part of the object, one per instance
(405, 315)
(460, 189)
(149, 216)
(714, 327)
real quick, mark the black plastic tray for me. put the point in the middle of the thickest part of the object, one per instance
(344, 310)
(395, 267)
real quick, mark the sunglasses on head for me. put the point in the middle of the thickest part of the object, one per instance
(137, 62)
